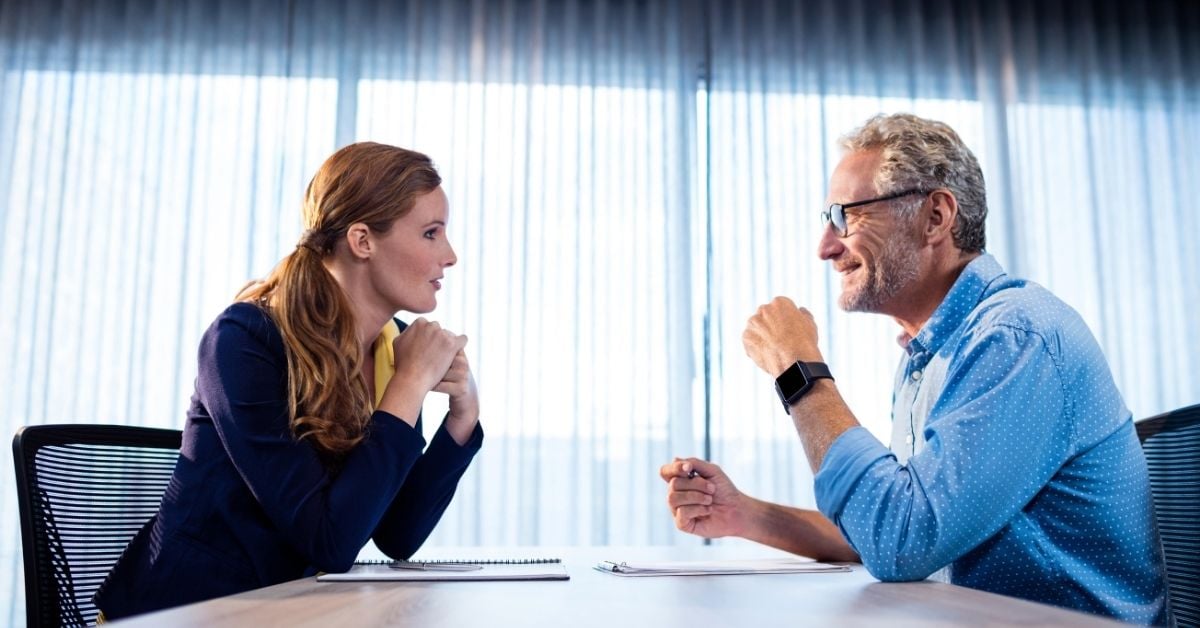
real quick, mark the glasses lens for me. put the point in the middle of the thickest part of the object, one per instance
(838, 218)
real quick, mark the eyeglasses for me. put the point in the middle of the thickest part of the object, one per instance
(836, 213)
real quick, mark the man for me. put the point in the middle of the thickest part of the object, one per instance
(1014, 462)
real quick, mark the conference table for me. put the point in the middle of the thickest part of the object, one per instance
(594, 598)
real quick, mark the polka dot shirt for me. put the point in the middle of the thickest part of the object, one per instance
(1014, 463)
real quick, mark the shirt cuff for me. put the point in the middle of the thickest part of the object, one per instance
(845, 462)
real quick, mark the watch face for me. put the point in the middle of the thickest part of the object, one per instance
(792, 381)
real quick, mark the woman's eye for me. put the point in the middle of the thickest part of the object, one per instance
(431, 234)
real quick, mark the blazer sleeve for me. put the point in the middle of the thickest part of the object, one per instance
(242, 381)
(426, 493)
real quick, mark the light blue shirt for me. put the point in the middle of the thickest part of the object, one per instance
(1014, 460)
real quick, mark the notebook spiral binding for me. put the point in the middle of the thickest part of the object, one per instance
(463, 561)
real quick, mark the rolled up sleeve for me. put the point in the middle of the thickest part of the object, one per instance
(993, 440)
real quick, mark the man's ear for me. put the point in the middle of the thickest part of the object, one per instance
(359, 241)
(943, 213)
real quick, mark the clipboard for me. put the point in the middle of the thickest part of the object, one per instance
(717, 567)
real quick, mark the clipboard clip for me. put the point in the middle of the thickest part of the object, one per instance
(420, 566)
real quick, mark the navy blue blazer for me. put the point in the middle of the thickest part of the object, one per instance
(249, 506)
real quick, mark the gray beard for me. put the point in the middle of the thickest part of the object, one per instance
(895, 268)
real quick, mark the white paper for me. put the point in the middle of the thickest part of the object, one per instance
(717, 567)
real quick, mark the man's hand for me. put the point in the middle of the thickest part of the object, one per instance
(779, 334)
(704, 503)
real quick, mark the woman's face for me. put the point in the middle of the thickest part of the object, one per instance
(413, 254)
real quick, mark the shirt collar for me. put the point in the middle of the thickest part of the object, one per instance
(385, 359)
(968, 290)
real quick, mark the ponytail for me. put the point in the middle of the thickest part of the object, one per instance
(328, 400)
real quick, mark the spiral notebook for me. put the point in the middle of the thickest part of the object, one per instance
(451, 570)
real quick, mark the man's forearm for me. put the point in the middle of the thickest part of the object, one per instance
(820, 417)
(803, 532)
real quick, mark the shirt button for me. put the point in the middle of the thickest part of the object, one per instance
(908, 440)
(916, 375)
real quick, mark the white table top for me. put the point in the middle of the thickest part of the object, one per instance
(592, 598)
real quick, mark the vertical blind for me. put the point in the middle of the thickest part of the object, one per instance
(628, 181)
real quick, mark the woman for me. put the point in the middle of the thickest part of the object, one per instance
(303, 438)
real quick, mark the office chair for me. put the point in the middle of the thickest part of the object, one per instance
(83, 491)
(1172, 445)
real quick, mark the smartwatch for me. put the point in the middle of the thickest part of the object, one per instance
(797, 380)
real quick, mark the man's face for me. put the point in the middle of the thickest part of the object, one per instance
(878, 258)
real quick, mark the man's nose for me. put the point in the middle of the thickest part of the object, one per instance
(830, 246)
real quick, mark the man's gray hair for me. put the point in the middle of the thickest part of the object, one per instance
(924, 155)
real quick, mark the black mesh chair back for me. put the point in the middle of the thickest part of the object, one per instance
(1172, 445)
(83, 492)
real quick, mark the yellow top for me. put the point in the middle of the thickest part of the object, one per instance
(385, 359)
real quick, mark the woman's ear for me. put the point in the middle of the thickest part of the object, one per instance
(359, 241)
(943, 213)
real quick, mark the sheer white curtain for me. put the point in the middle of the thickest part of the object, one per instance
(563, 131)
(155, 155)
(628, 180)
(1084, 117)
(151, 159)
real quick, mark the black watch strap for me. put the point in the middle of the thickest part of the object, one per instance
(797, 380)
